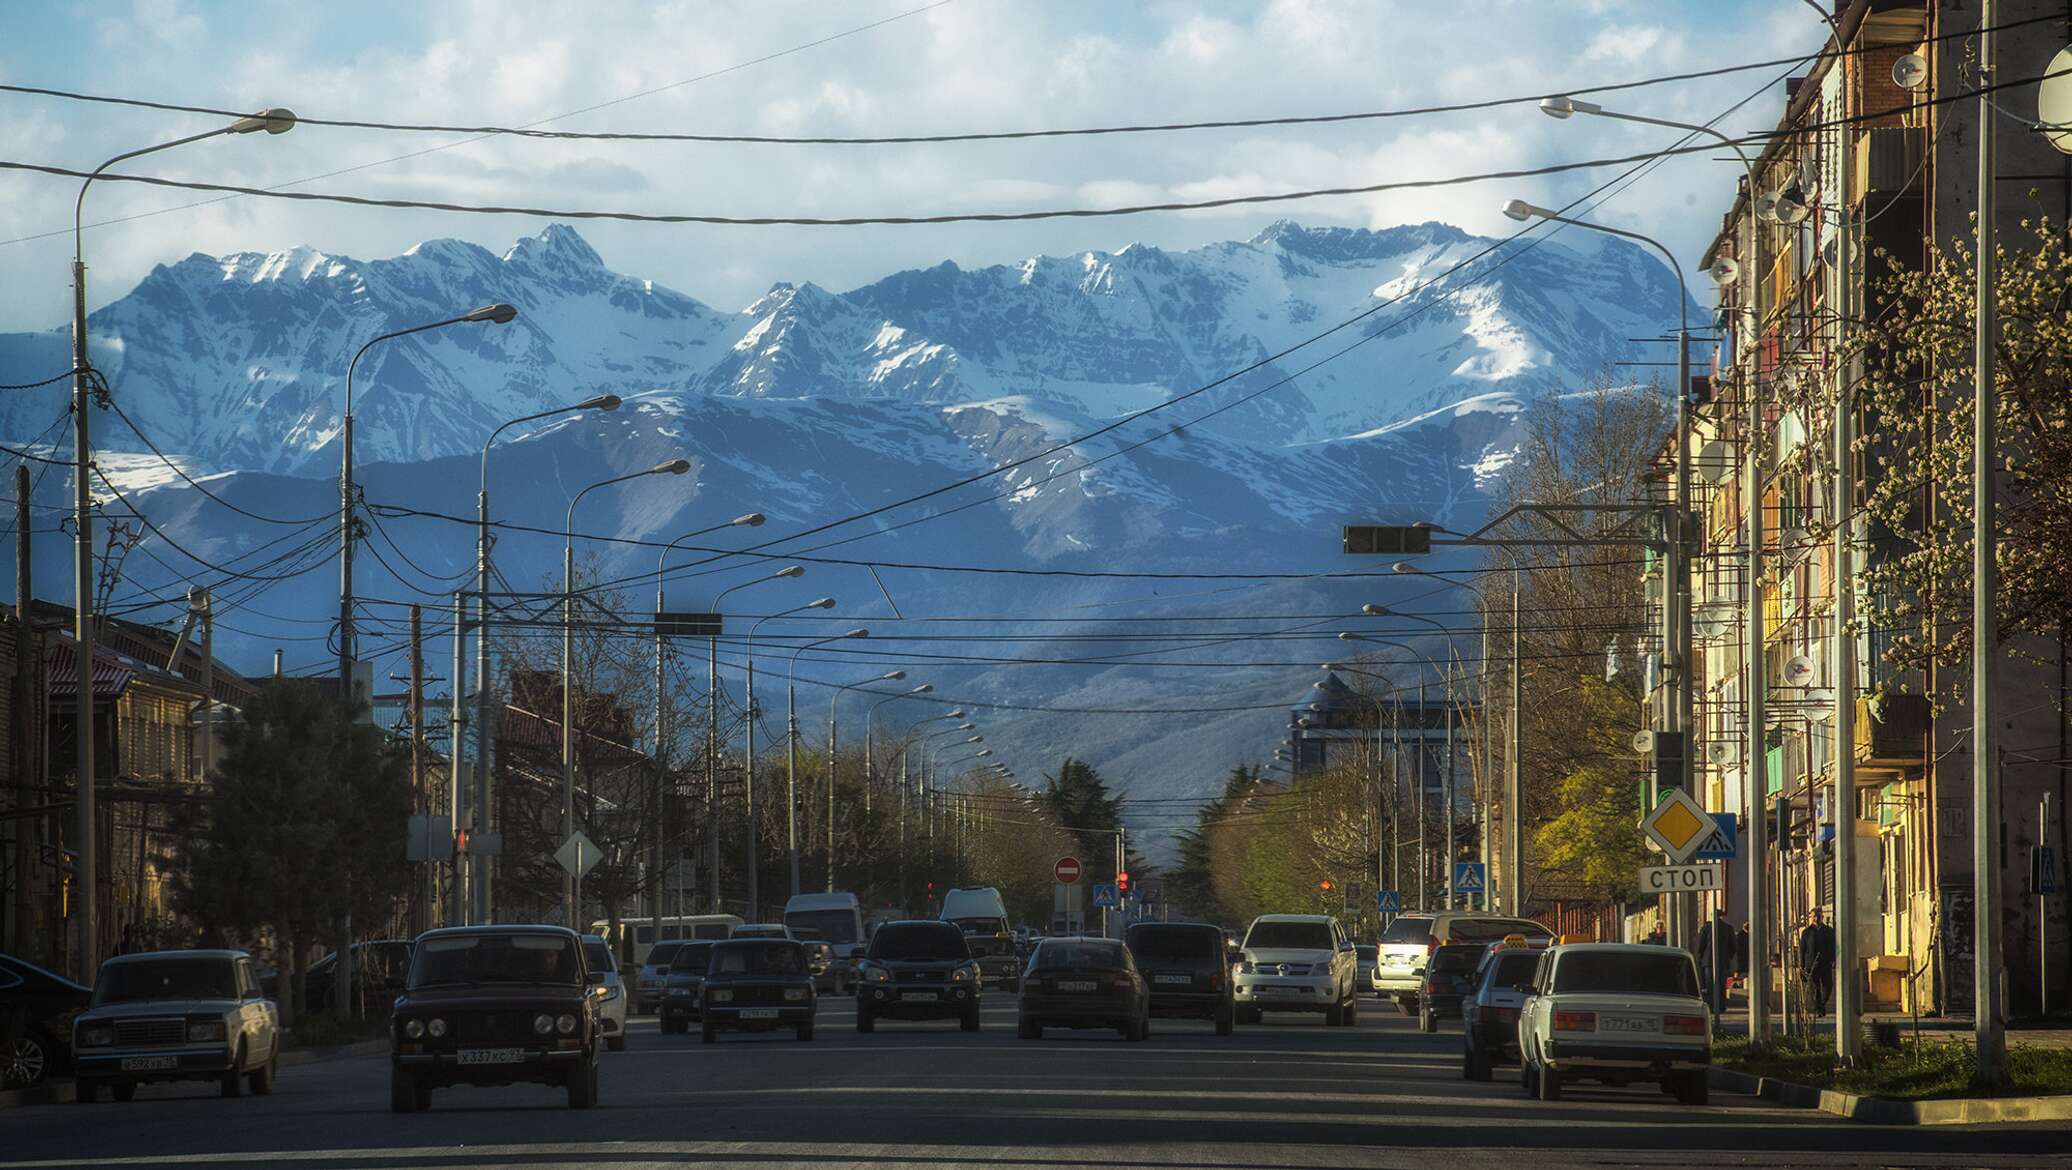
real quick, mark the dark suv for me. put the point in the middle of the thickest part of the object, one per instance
(495, 1005)
(917, 970)
(1187, 969)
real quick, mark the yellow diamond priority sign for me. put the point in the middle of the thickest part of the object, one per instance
(1678, 826)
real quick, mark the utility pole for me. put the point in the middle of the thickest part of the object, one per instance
(712, 767)
(1989, 1037)
(660, 841)
(457, 895)
(23, 731)
(1514, 797)
(791, 781)
(748, 794)
(1842, 809)
(1424, 863)
(422, 908)
(831, 794)
(1450, 798)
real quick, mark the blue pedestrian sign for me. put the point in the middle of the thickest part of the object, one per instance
(1725, 841)
(1388, 901)
(1468, 879)
(2045, 861)
(1106, 896)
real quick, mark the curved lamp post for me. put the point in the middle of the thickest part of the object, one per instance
(888, 676)
(712, 695)
(791, 765)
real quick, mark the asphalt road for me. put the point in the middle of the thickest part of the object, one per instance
(925, 1095)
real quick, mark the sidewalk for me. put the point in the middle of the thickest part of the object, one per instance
(2050, 1032)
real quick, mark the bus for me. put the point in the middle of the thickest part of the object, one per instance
(640, 932)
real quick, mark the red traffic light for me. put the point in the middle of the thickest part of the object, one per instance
(460, 841)
(1122, 880)
(1324, 885)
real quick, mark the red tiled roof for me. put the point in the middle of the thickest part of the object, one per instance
(111, 677)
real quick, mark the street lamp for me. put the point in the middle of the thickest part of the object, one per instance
(832, 759)
(748, 764)
(791, 766)
(477, 903)
(870, 739)
(787, 573)
(274, 121)
(571, 885)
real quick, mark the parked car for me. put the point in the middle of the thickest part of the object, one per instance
(758, 985)
(1083, 983)
(1410, 939)
(1615, 1013)
(1296, 963)
(917, 970)
(379, 967)
(175, 1016)
(683, 993)
(495, 1005)
(982, 915)
(1186, 969)
(654, 972)
(36, 1010)
(1363, 976)
(1489, 1016)
(611, 993)
(1448, 979)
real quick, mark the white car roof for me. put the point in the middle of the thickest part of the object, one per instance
(1292, 918)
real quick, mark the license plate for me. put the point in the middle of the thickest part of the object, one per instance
(1172, 978)
(1396, 961)
(1626, 1024)
(1077, 985)
(490, 1056)
(923, 995)
(150, 1063)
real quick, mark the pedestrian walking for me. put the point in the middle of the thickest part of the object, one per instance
(1817, 961)
(1716, 959)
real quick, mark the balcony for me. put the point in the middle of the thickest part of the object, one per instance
(1891, 733)
(1888, 161)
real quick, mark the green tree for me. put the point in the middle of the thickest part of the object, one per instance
(1192, 883)
(1081, 802)
(305, 827)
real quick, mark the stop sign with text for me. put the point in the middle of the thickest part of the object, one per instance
(1067, 870)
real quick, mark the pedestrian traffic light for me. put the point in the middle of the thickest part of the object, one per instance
(1122, 880)
(460, 841)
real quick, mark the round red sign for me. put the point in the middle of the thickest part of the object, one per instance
(1066, 870)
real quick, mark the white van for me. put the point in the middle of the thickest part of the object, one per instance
(641, 932)
(835, 919)
(982, 915)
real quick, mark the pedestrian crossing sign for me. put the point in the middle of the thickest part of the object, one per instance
(1467, 878)
(1106, 896)
(1388, 901)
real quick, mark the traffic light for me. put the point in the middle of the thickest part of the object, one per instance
(1122, 881)
(1324, 885)
(460, 841)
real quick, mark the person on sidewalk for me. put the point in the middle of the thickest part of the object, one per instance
(1716, 959)
(1817, 961)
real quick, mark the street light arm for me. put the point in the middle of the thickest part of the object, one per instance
(601, 402)
(79, 206)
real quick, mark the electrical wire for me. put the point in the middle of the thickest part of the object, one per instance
(181, 471)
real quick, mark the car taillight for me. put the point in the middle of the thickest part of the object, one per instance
(1215, 981)
(1120, 982)
(1432, 987)
(1683, 1025)
(1503, 1015)
(1575, 1021)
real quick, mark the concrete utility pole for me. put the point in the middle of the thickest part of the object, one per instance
(22, 731)
(420, 797)
(1514, 795)
(1842, 811)
(712, 769)
(456, 780)
(1988, 1034)
(748, 791)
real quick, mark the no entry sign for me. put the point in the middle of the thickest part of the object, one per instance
(1066, 870)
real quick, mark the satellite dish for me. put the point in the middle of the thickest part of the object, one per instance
(1724, 271)
(1715, 462)
(1713, 621)
(1722, 752)
(2054, 101)
(1798, 672)
(1643, 742)
(1910, 72)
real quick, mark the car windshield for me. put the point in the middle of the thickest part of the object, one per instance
(692, 959)
(1300, 936)
(1408, 930)
(1086, 954)
(919, 941)
(758, 958)
(1158, 943)
(833, 925)
(598, 956)
(1663, 973)
(496, 958)
(168, 978)
(1454, 960)
(1514, 968)
(663, 953)
(1492, 929)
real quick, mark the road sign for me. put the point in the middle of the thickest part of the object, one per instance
(431, 838)
(1467, 878)
(687, 625)
(1682, 879)
(2045, 864)
(1677, 826)
(1725, 841)
(1388, 902)
(578, 855)
(1066, 870)
(1106, 896)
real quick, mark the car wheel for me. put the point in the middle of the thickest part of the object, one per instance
(1352, 1011)
(969, 1022)
(24, 1063)
(123, 1090)
(234, 1080)
(582, 1083)
(616, 1043)
(1693, 1088)
(806, 1030)
(261, 1079)
(1407, 1004)
(708, 1033)
(866, 1022)
(1225, 1017)
(1334, 1016)
(1525, 1076)
(1426, 1021)
(1028, 1030)
(1548, 1083)
(403, 1091)
(85, 1091)
(1248, 1015)
(1474, 1062)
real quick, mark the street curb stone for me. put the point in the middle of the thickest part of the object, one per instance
(1884, 1111)
(60, 1092)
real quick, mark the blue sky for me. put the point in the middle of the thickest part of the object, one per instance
(967, 65)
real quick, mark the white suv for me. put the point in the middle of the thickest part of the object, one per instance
(1297, 963)
(1615, 1013)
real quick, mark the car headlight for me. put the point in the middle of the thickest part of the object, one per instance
(97, 1036)
(543, 1023)
(679, 993)
(722, 995)
(612, 992)
(412, 1029)
(436, 1028)
(1245, 967)
(202, 1031)
(965, 974)
(877, 974)
(566, 1023)
(795, 993)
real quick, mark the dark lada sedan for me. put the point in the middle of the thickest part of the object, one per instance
(1448, 979)
(1083, 983)
(495, 1005)
(1187, 970)
(758, 985)
(683, 986)
(917, 970)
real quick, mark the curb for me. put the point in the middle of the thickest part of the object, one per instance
(59, 1092)
(1885, 1111)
